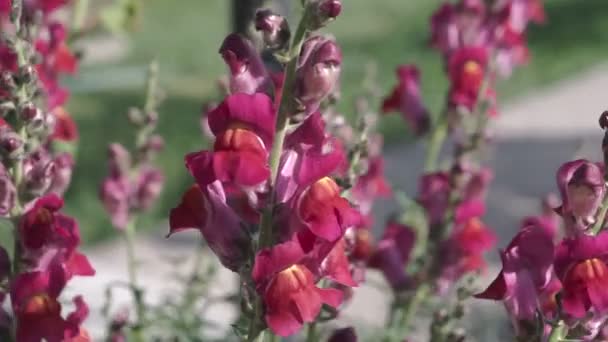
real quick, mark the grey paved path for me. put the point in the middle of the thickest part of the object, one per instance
(535, 134)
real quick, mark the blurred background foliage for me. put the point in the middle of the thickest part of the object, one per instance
(184, 37)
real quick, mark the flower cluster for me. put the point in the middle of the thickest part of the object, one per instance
(271, 180)
(559, 285)
(36, 140)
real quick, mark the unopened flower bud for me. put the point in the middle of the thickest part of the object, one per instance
(27, 74)
(156, 143)
(8, 82)
(247, 71)
(274, 28)
(30, 112)
(325, 11)
(119, 159)
(149, 186)
(40, 175)
(321, 61)
(64, 165)
(330, 8)
(10, 142)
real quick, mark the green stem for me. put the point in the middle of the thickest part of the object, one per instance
(558, 332)
(129, 236)
(311, 332)
(601, 217)
(412, 307)
(438, 136)
(282, 118)
(284, 110)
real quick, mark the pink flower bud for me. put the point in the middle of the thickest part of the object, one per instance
(39, 170)
(582, 187)
(119, 159)
(325, 11)
(318, 72)
(330, 8)
(149, 185)
(64, 165)
(274, 28)
(247, 71)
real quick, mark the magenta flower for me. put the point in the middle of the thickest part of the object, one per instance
(322, 210)
(57, 59)
(462, 253)
(274, 28)
(148, 187)
(318, 71)
(205, 209)
(582, 188)
(392, 254)
(288, 289)
(467, 69)
(580, 264)
(309, 155)
(456, 25)
(522, 12)
(406, 99)
(35, 303)
(527, 268)
(244, 127)
(433, 195)
(370, 185)
(247, 71)
(548, 220)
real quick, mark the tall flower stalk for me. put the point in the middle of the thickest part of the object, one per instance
(35, 132)
(132, 187)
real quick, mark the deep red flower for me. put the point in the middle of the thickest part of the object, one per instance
(336, 267)
(65, 127)
(254, 112)
(244, 127)
(405, 98)
(43, 225)
(324, 211)
(56, 59)
(38, 312)
(50, 237)
(463, 251)
(581, 265)
(288, 288)
(207, 211)
(467, 69)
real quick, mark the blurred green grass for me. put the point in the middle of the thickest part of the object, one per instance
(184, 36)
